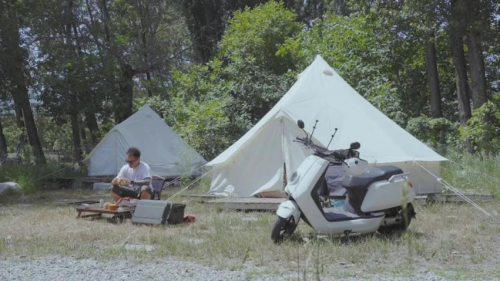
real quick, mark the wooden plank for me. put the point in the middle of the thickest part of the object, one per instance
(76, 201)
(248, 204)
(98, 210)
(445, 198)
(202, 198)
(453, 198)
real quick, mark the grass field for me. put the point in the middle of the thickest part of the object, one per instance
(453, 241)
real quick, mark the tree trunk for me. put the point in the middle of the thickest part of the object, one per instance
(205, 20)
(461, 82)
(19, 116)
(432, 76)
(15, 69)
(85, 141)
(20, 123)
(123, 103)
(77, 144)
(477, 71)
(21, 97)
(457, 50)
(3, 143)
(148, 88)
(93, 127)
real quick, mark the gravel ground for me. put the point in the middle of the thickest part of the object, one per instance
(67, 268)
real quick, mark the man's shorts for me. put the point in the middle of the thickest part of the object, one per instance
(133, 192)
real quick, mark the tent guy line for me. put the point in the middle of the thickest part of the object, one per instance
(189, 185)
(477, 172)
(459, 193)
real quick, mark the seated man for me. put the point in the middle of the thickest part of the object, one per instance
(134, 179)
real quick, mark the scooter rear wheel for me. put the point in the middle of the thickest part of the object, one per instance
(282, 229)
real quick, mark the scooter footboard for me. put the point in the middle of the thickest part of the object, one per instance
(388, 194)
(288, 209)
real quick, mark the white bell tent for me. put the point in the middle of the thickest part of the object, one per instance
(166, 153)
(256, 162)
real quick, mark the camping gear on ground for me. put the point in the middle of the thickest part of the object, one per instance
(319, 94)
(189, 219)
(158, 184)
(127, 203)
(377, 197)
(162, 149)
(96, 211)
(158, 212)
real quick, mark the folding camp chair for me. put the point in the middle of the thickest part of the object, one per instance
(158, 184)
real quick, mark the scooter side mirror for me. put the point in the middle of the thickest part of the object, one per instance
(300, 123)
(355, 145)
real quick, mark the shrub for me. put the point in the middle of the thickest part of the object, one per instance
(438, 133)
(30, 177)
(483, 128)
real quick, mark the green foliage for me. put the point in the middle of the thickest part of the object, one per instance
(249, 67)
(483, 129)
(473, 172)
(198, 111)
(26, 175)
(76, 53)
(358, 51)
(212, 105)
(437, 132)
(255, 35)
(11, 131)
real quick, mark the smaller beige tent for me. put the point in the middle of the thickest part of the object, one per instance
(162, 149)
(255, 163)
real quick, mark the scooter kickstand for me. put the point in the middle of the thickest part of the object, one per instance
(347, 233)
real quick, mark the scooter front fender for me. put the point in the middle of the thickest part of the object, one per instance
(288, 209)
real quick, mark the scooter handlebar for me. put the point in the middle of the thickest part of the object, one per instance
(338, 156)
(330, 155)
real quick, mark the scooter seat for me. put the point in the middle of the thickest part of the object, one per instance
(370, 176)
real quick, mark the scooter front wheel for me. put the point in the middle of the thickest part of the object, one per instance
(282, 229)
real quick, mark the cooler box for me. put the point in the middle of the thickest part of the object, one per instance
(158, 212)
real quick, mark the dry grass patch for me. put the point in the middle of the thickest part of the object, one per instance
(445, 239)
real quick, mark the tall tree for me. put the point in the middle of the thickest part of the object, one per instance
(139, 35)
(11, 48)
(207, 20)
(456, 29)
(477, 20)
(433, 76)
(3, 142)
(62, 64)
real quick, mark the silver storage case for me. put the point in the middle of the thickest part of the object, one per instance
(158, 212)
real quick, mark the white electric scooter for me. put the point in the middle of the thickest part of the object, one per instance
(377, 197)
